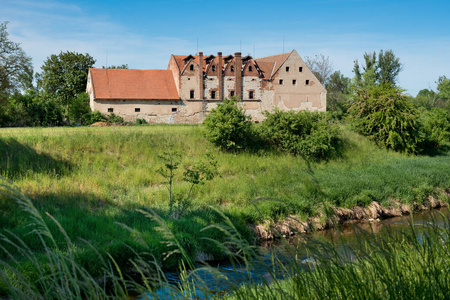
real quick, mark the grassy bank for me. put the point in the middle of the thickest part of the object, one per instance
(91, 179)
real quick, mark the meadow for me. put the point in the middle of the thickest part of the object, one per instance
(95, 181)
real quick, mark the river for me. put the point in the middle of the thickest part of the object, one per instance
(275, 257)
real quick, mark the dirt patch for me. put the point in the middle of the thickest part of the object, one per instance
(105, 124)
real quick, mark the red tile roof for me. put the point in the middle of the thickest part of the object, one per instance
(133, 84)
(270, 64)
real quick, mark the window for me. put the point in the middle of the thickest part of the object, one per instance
(232, 68)
(250, 68)
(294, 81)
(232, 94)
(191, 94)
(137, 109)
(110, 109)
(300, 69)
(191, 67)
(213, 94)
(280, 81)
(251, 94)
(307, 82)
(287, 69)
(213, 68)
(174, 109)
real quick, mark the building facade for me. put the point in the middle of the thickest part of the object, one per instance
(193, 85)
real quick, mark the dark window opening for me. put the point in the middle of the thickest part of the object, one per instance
(280, 81)
(232, 94)
(137, 109)
(213, 68)
(300, 69)
(251, 94)
(191, 67)
(232, 68)
(307, 82)
(174, 109)
(213, 94)
(110, 109)
(250, 69)
(191, 94)
(287, 69)
(294, 81)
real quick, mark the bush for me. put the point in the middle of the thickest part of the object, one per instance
(304, 133)
(113, 118)
(436, 125)
(386, 116)
(228, 127)
(141, 122)
(93, 117)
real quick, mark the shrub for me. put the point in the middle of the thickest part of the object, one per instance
(228, 127)
(113, 118)
(386, 116)
(93, 117)
(436, 125)
(141, 122)
(304, 133)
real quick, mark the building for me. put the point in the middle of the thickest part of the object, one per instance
(193, 85)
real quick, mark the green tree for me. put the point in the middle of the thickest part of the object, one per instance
(386, 116)
(124, 66)
(377, 71)
(338, 88)
(78, 107)
(64, 76)
(14, 63)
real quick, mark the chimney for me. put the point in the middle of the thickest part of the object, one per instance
(220, 75)
(200, 76)
(238, 75)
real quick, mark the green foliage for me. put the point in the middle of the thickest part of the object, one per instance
(141, 122)
(31, 109)
(383, 70)
(309, 134)
(436, 125)
(78, 107)
(227, 126)
(64, 76)
(123, 66)
(428, 98)
(14, 64)
(113, 118)
(386, 116)
(93, 117)
(338, 93)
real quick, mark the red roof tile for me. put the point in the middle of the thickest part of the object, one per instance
(270, 64)
(133, 84)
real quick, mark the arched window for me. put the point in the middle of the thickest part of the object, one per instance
(213, 68)
(191, 67)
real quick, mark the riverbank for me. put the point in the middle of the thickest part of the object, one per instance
(96, 181)
(293, 225)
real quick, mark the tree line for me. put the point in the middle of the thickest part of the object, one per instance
(56, 96)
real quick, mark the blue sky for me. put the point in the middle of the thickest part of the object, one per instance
(143, 34)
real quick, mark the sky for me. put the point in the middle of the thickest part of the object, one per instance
(143, 34)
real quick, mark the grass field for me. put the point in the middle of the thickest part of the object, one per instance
(91, 179)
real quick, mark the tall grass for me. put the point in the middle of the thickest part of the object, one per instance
(409, 264)
(89, 179)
